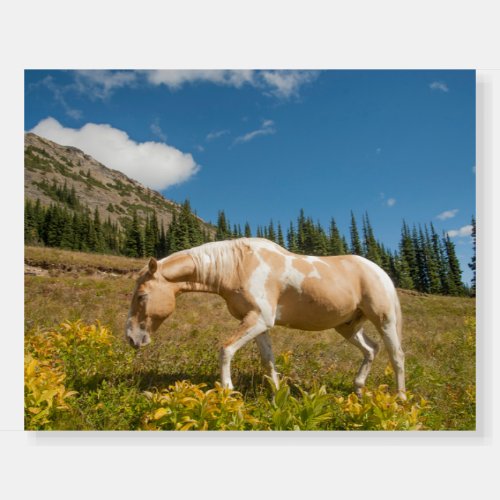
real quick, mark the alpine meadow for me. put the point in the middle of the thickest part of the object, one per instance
(100, 207)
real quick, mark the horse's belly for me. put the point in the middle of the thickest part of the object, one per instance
(309, 312)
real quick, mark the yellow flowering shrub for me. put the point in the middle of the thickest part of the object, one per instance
(381, 410)
(44, 392)
(186, 406)
(50, 354)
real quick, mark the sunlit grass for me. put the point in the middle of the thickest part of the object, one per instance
(439, 341)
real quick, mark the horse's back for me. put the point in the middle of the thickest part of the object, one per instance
(334, 290)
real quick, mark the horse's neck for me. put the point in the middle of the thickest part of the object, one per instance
(190, 286)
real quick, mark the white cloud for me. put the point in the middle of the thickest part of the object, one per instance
(281, 84)
(391, 202)
(462, 232)
(59, 96)
(154, 164)
(286, 84)
(157, 131)
(175, 79)
(267, 128)
(447, 214)
(99, 84)
(439, 85)
(215, 135)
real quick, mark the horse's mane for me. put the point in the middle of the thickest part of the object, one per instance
(218, 261)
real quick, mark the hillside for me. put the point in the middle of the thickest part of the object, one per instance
(49, 166)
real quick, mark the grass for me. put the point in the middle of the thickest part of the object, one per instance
(439, 342)
(82, 263)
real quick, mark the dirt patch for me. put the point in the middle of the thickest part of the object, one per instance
(35, 271)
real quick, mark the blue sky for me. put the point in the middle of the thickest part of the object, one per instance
(263, 144)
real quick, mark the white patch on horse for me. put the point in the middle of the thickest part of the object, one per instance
(291, 276)
(314, 274)
(313, 260)
(257, 288)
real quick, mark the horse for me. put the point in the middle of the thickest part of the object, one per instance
(264, 285)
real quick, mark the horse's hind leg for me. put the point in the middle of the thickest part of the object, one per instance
(368, 347)
(392, 342)
(266, 353)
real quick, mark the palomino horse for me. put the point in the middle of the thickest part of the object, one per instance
(265, 285)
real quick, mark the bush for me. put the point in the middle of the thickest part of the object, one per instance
(44, 392)
(381, 410)
(72, 353)
(81, 376)
(185, 406)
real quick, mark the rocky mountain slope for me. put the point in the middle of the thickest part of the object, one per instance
(50, 166)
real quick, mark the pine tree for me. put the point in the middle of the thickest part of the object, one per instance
(335, 243)
(161, 250)
(432, 259)
(372, 250)
(319, 240)
(196, 236)
(301, 232)
(385, 260)
(280, 240)
(149, 240)
(67, 236)
(38, 217)
(403, 274)
(99, 238)
(345, 244)
(454, 272)
(421, 280)
(31, 236)
(440, 261)
(248, 231)
(271, 234)
(407, 252)
(134, 244)
(171, 236)
(291, 238)
(356, 247)
(223, 232)
(183, 230)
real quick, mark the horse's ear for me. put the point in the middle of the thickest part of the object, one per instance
(153, 265)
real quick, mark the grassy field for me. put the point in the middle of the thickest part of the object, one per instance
(119, 388)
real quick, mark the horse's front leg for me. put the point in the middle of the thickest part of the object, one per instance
(251, 326)
(266, 353)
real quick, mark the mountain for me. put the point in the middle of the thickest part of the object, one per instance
(53, 173)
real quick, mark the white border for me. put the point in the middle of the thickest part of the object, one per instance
(217, 34)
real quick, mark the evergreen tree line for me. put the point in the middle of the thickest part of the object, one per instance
(82, 230)
(425, 261)
(57, 226)
(151, 238)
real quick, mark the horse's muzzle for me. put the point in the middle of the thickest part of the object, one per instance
(138, 339)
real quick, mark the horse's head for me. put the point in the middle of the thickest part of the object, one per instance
(153, 301)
